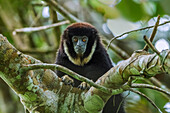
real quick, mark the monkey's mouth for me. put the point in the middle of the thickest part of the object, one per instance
(79, 51)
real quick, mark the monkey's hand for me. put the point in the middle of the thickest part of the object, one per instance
(84, 86)
(67, 80)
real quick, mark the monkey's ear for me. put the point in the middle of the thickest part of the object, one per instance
(65, 35)
(95, 33)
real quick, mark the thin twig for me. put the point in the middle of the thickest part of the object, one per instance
(37, 17)
(157, 83)
(150, 87)
(33, 29)
(74, 75)
(143, 95)
(122, 102)
(62, 10)
(135, 31)
(151, 45)
(117, 50)
(57, 31)
(153, 33)
(42, 4)
(130, 80)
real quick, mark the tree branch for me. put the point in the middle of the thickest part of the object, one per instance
(157, 83)
(40, 28)
(74, 75)
(147, 98)
(150, 87)
(150, 45)
(153, 33)
(117, 50)
(136, 31)
(63, 11)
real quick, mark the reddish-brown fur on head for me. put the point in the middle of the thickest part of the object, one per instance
(80, 29)
(80, 25)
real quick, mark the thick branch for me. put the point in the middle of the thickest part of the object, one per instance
(138, 64)
(74, 75)
(39, 90)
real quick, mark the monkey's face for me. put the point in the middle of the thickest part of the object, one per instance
(79, 44)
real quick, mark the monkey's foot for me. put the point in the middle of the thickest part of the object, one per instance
(67, 80)
(84, 86)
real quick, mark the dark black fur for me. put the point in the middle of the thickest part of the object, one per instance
(98, 65)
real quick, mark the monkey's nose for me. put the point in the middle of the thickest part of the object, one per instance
(79, 46)
(79, 49)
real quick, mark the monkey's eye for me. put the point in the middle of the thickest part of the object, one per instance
(84, 40)
(75, 39)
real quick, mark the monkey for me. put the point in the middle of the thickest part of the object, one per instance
(81, 51)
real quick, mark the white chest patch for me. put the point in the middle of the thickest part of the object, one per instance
(77, 61)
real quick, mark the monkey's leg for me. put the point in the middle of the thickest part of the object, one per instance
(67, 80)
(84, 86)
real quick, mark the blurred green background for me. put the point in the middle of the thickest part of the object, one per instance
(110, 17)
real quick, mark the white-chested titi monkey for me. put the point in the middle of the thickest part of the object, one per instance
(82, 51)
